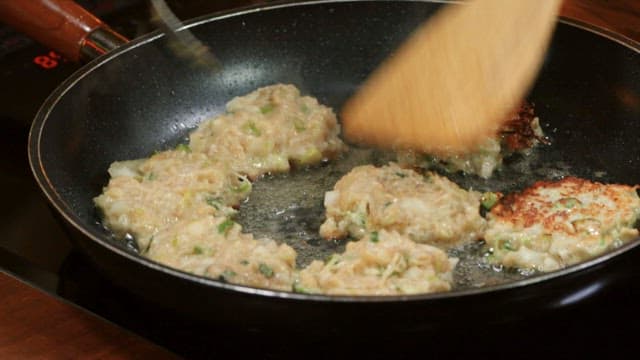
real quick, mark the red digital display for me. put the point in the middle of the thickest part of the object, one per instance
(49, 61)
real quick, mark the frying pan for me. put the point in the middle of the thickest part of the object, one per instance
(140, 98)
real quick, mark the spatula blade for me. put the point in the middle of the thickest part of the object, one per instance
(456, 79)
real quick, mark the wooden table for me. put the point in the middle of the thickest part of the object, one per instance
(34, 324)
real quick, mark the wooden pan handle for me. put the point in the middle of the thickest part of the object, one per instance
(62, 25)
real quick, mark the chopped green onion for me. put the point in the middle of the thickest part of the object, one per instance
(297, 288)
(305, 109)
(401, 174)
(568, 203)
(251, 128)
(146, 250)
(216, 202)
(490, 256)
(183, 147)
(374, 237)
(267, 109)
(333, 259)
(488, 200)
(244, 262)
(228, 273)
(310, 155)
(299, 125)
(225, 226)
(362, 219)
(197, 250)
(265, 270)
(151, 176)
(508, 246)
(243, 187)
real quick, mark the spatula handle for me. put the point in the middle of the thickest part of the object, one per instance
(62, 25)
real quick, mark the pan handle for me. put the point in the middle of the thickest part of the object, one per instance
(62, 25)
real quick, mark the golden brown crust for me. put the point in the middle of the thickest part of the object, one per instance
(531, 206)
(518, 133)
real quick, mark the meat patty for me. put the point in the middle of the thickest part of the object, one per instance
(428, 209)
(381, 263)
(520, 133)
(269, 128)
(145, 196)
(216, 247)
(554, 224)
(178, 204)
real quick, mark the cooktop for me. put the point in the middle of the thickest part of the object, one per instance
(35, 248)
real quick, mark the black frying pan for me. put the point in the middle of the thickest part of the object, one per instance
(141, 97)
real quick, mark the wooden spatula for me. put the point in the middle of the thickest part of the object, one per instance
(453, 82)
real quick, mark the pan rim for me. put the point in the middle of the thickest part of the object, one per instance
(62, 208)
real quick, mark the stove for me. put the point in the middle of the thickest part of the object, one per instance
(35, 248)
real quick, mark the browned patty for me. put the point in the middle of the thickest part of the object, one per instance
(533, 205)
(518, 133)
(553, 224)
